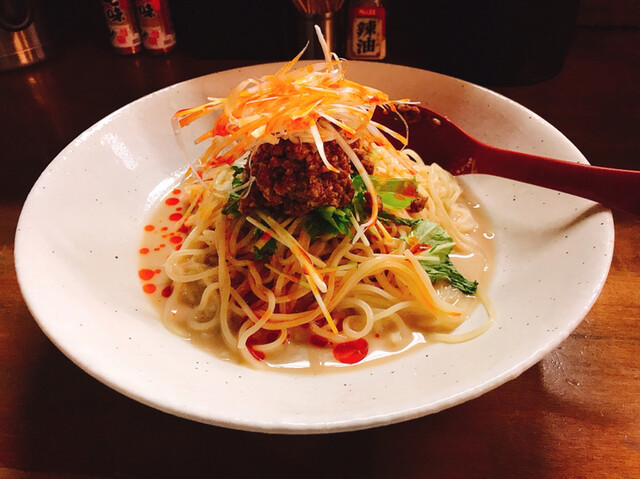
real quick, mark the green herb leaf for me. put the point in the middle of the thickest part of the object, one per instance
(328, 220)
(395, 193)
(387, 217)
(357, 203)
(447, 271)
(432, 234)
(435, 259)
(266, 250)
(231, 207)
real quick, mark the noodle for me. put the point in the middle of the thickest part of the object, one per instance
(267, 282)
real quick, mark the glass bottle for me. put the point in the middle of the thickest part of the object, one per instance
(366, 30)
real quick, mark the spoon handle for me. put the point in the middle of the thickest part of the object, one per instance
(614, 188)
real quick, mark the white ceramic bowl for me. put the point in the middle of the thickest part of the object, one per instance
(80, 230)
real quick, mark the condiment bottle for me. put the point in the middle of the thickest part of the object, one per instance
(367, 30)
(155, 22)
(123, 30)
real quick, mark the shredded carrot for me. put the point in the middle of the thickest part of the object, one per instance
(292, 102)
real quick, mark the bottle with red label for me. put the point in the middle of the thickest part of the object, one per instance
(367, 30)
(155, 23)
(123, 30)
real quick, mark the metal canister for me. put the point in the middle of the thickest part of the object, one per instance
(154, 20)
(123, 30)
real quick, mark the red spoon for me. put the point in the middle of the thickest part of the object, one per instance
(438, 140)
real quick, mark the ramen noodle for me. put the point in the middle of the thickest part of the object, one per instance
(303, 236)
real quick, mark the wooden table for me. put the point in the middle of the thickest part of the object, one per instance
(574, 414)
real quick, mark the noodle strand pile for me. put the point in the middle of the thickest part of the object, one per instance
(337, 279)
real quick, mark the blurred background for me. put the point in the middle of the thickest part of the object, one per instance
(494, 42)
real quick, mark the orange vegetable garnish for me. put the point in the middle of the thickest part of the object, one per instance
(313, 103)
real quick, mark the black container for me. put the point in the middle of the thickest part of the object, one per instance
(262, 31)
(30, 31)
(493, 42)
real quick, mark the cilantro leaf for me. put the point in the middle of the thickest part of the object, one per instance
(231, 207)
(328, 220)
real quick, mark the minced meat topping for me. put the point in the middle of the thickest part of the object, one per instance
(292, 178)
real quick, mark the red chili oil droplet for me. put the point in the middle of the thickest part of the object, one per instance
(145, 274)
(179, 208)
(176, 239)
(351, 352)
(184, 229)
(178, 246)
(171, 201)
(259, 355)
(156, 271)
(260, 337)
(149, 288)
(164, 228)
(167, 291)
(176, 191)
(149, 228)
(175, 216)
(419, 248)
(144, 250)
(410, 190)
(319, 341)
